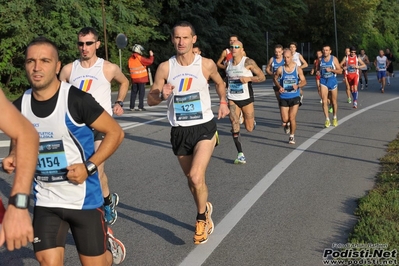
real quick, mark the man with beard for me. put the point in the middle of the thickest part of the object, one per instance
(93, 75)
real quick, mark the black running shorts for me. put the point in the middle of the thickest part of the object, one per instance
(184, 139)
(243, 103)
(289, 102)
(88, 228)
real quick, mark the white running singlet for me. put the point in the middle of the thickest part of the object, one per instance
(190, 101)
(63, 142)
(92, 80)
(237, 90)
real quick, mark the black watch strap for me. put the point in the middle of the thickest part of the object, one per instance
(19, 200)
(91, 168)
(120, 103)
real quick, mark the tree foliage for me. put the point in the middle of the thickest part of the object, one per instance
(368, 24)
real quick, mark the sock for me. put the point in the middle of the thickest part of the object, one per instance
(335, 117)
(107, 200)
(354, 95)
(237, 141)
(201, 216)
(291, 136)
(327, 118)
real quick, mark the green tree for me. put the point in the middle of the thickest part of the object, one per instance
(60, 20)
(19, 24)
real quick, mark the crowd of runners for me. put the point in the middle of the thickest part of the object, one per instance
(71, 110)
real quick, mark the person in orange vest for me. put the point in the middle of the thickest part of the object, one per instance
(139, 75)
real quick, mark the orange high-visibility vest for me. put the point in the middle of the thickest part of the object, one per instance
(137, 70)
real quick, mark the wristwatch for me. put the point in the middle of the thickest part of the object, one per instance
(120, 103)
(91, 168)
(19, 200)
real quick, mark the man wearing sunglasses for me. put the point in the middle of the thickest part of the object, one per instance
(93, 75)
(351, 68)
(226, 55)
(239, 71)
(343, 64)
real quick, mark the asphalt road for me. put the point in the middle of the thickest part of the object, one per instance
(283, 207)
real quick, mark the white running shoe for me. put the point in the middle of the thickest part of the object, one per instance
(240, 159)
(116, 247)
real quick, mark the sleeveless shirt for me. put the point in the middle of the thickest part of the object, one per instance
(238, 91)
(190, 101)
(328, 64)
(295, 58)
(288, 79)
(63, 142)
(351, 62)
(382, 63)
(92, 80)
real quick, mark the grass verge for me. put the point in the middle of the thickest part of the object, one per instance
(378, 211)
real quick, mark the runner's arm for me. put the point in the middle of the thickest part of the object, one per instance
(120, 78)
(366, 60)
(260, 77)
(303, 61)
(222, 57)
(66, 73)
(210, 67)
(276, 77)
(361, 64)
(269, 67)
(77, 173)
(17, 227)
(343, 62)
(302, 79)
(161, 75)
(338, 69)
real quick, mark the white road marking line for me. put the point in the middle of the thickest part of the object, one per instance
(201, 252)
(4, 143)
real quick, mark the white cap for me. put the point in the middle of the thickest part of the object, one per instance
(138, 48)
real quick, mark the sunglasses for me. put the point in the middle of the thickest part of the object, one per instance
(235, 46)
(87, 43)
